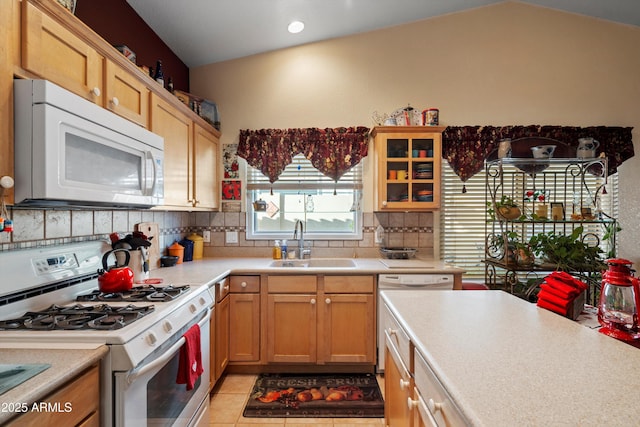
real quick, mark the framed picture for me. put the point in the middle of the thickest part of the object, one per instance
(231, 190)
(557, 211)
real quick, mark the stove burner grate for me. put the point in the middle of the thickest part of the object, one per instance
(78, 317)
(137, 294)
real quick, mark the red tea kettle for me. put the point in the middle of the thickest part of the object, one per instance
(619, 301)
(115, 279)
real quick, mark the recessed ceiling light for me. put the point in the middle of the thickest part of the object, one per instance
(295, 27)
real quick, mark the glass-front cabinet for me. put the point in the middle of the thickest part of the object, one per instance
(408, 167)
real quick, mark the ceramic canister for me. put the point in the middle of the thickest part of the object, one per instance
(430, 117)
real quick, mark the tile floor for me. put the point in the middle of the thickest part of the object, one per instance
(232, 391)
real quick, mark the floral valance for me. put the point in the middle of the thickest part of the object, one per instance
(332, 151)
(466, 147)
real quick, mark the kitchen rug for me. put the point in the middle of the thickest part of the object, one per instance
(315, 396)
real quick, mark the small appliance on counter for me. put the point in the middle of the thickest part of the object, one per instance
(619, 301)
(398, 253)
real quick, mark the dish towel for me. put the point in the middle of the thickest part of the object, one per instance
(190, 359)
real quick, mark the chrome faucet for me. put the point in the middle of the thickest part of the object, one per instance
(301, 250)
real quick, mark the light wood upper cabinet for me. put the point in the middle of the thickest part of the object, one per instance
(126, 95)
(190, 158)
(9, 57)
(408, 167)
(205, 181)
(177, 130)
(53, 52)
(43, 40)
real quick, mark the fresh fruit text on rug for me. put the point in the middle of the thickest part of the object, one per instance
(315, 396)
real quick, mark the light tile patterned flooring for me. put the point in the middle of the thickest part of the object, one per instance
(232, 391)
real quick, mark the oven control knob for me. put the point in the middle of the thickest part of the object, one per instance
(152, 339)
(193, 308)
(202, 301)
(168, 327)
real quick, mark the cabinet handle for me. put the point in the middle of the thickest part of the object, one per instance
(384, 203)
(404, 384)
(95, 91)
(243, 284)
(313, 301)
(115, 101)
(392, 331)
(328, 301)
(434, 406)
(226, 287)
(411, 403)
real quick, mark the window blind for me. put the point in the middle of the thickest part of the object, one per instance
(301, 175)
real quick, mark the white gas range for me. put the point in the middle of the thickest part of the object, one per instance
(49, 296)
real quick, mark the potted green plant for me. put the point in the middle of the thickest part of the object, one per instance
(505, 208)
(567, 251)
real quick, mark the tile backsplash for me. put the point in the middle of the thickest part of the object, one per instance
(36, 227)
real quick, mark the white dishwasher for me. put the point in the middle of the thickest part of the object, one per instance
(408, 282)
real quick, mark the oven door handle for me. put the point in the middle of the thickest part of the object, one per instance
(166, 356)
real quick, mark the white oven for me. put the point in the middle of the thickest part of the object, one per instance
(149, 395)
(51, 297)
(69, 151)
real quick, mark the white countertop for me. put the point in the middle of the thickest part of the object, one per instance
(209, 270)
(66, 364)
(507, 362)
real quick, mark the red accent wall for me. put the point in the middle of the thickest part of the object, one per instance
(118, 23)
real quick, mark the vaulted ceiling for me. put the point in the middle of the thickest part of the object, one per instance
(205, 31)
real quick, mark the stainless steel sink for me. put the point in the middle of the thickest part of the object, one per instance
(315, 263)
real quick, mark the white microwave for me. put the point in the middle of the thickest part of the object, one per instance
(71, 152)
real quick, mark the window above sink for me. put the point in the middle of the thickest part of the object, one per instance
(328, 209)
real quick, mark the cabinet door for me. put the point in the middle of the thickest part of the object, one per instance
(212, 348)
(205, 169)
(125, 95)
(177, 130)
(408, 167)
(349, 328)
(292, 326)
(244, 329)
(52, 52)
(397, 385)
(82, 394)
(222, 336)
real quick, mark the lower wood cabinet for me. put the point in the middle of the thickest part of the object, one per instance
(398, 386)
(348, 324)
(320, 319)
(82, 395)
(222, 317)
(244, 319)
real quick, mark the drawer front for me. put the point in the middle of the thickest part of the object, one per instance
(348, 284)
(398, 337)
(244, 284)
(292, 284)
(422, 416)
(438, 401)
